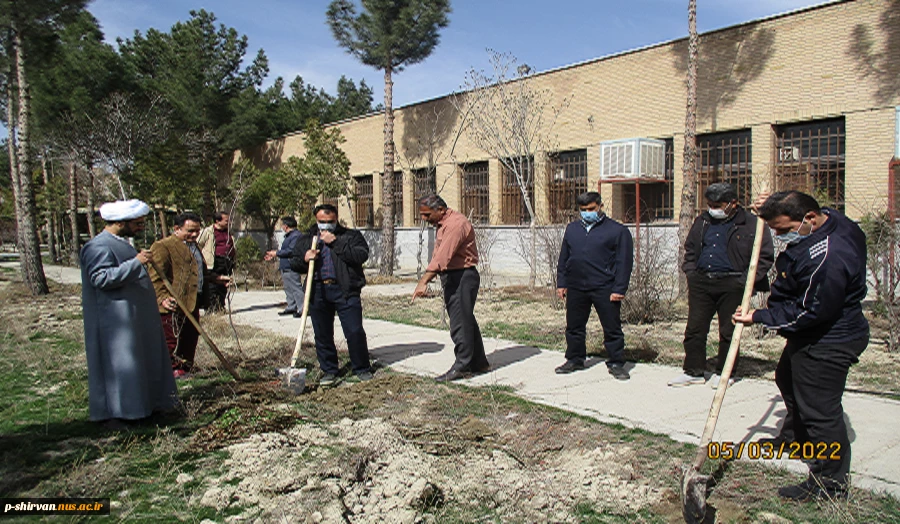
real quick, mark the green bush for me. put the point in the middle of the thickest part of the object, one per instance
(247, 251)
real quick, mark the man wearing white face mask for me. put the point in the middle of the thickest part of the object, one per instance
(815, 305)
(716, 258)
(594, 269)
(337, 281)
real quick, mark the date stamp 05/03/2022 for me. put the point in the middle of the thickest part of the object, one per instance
(726, 450)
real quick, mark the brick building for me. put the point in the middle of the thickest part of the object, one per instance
(808, 99)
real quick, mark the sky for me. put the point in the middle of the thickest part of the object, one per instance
(542, 34)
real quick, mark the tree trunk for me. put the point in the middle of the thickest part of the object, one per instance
(689, 187)
(163, 226)
(73, 214)
(89, 190)
(387, 185)
(29, 247)
(48, 214)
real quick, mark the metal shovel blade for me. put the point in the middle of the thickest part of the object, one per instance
(693, 496)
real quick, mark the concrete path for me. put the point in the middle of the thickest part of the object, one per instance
(752, 408)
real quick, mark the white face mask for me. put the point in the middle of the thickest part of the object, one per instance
(718, 214)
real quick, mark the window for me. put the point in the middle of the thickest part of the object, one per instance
(364, 206)
(397, 193)
(425, 181)
(567, 178)
(512, 204)
(475, 192)
(657, 200)
(725, 157)
(810, 157)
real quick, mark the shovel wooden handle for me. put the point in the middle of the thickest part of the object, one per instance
(307, 293)
(732, 351)
(212, 345)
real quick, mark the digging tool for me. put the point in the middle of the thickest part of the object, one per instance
(693, 484)
(212, 345)
(294, 378)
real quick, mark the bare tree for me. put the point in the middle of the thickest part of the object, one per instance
(512, 120)
(689, 185)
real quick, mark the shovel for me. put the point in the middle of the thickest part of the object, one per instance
(693, 484)
(212, 345)
(294, 378)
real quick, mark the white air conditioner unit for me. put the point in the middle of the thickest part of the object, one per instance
(632, 159)
(788, 154)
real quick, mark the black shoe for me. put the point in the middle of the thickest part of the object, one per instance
(811, 489)
(298, 314)
(777, 441)
(453, 374)
(570, 366)
(619, 372)
(328, 380)
(484, 369)
(286, 312)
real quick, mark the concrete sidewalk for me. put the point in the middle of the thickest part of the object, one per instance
(752, 408)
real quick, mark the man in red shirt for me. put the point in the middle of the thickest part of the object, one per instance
(454, 259)
(217, 246)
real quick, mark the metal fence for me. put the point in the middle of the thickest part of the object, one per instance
(567, 178)
(475, 192)
(512, 204)
(364, 206)
(725, 157)
(810, 157)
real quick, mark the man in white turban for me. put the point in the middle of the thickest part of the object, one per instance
(129, 370)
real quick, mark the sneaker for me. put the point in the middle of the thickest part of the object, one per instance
(619, 372)
(714, 381)
(362, 376)
(328, 380)
(286, 312)
(686, 380)
(570, 366)
(811, 489)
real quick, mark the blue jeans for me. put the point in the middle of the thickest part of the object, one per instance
(328, 299)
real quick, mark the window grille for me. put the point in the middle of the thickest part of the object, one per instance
(725, 157)
(567, 178)
(425, 180)
(364, 205)
(657, 200)
(810, 157)
(512, 203)
(475, 192)
(397, 194)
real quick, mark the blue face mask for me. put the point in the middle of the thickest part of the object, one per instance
(590, 217)
(326, 226)
(792, 237)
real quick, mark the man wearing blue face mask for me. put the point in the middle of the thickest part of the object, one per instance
(593, 271)
(815, 305)
(716, 258)
(337, 281)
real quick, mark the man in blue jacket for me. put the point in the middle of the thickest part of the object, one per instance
(594, 270)
(293, 287)
(815, 304)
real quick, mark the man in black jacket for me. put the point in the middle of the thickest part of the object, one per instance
(716, 259)
(594, 270)
(815, 305)
(337, 281)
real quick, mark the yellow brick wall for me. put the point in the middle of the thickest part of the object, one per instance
(800, 67)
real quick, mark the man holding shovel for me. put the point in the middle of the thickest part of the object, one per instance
(338, 279)
(815, 304)
(179, 257)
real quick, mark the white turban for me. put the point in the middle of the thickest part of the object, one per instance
(122, 210)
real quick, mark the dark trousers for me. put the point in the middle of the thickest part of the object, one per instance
(707, 297)
(578, 310)
(811, 378)
(460, 292)
(216, 293)
(328, 299)
(181, 338)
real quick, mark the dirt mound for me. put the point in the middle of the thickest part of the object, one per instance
(366, 471)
